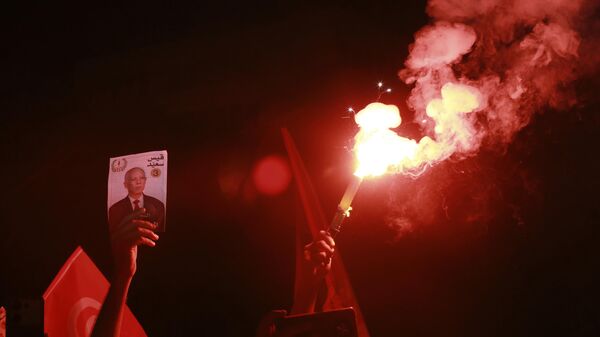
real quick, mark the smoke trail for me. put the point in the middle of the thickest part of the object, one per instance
(519, 56)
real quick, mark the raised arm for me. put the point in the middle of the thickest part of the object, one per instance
(125, 239)
(316, 264)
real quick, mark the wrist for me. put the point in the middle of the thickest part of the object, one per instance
(121, 281)
(123, 272)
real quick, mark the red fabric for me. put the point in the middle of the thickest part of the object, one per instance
(73, 300)
(2, 322)
(339, 290)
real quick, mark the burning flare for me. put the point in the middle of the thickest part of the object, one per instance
(380, 150)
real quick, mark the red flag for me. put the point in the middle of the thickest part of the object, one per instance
(73, 300)
(339, 290)
(2, 322)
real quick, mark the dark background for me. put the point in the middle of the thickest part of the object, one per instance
(213, 84)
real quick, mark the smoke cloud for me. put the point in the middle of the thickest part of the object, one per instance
(521, 57)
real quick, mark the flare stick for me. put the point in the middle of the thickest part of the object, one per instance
(344, 208)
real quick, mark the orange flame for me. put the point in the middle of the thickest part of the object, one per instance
(379, 150)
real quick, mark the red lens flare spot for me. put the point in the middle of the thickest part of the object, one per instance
(271, 175)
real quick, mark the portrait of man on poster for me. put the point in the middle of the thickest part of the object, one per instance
(135, 183)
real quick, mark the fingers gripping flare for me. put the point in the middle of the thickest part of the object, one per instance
(320, 252)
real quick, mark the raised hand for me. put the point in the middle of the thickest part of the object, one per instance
(132, 232)
(319, 253)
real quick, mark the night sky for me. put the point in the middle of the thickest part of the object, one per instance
(213, 85)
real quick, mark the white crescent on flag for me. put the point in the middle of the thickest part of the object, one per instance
(74, 298)
(79, 330)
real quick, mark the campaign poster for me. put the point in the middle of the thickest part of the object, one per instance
(138, 182)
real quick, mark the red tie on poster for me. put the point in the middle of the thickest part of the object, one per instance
(339, 290)
(73, 300)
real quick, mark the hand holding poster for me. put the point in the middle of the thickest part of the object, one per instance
(138, 181)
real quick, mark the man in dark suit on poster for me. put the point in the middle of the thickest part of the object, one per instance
(135, 182)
